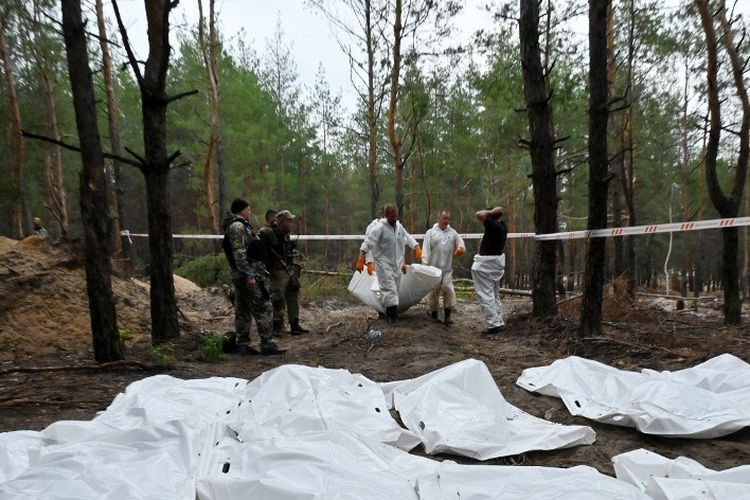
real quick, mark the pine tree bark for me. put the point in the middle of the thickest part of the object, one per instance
(395, 141)
(21, 216)
(372, 115)
(94, 209)
(591, 312)
(727, 205)
(156, 165)
(541, 147)
(616, 185)
(55, 178)
(113, 128)
(627, 172)
(212, 151)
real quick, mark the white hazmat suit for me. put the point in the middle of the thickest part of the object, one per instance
(385, 245)
(487, 271)
(437, 250)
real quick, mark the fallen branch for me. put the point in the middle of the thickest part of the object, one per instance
(323, 273)
(331, 327)
(640, 347)
(674, 297)
(103, 366)
(503, 291)
(25, 401)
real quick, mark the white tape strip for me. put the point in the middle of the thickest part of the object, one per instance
(675, 227)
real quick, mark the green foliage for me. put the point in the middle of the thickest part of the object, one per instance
(164, 354)
(125, 335)
(206, 271)
(211, 350)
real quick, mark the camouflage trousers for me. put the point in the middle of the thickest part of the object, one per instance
(283, 299)
(252, 304)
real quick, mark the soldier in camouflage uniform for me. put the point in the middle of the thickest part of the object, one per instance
(284, 272)
(246, 255)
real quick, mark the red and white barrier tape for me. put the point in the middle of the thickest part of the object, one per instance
(674, 227)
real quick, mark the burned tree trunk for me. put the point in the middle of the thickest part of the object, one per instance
(727, 205)
(94, 209)
(541, 147)
(591, 312)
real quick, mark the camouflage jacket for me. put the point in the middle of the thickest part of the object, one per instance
(243, 248)
(280, 247)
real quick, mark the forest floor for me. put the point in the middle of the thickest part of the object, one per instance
(44, 322)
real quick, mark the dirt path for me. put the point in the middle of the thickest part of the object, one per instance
(414, 347)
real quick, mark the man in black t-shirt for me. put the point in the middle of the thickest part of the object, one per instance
(489, 267)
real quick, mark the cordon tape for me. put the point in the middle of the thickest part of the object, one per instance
(673, 227)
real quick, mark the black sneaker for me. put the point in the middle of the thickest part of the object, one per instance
(271, 349)
(494, 330)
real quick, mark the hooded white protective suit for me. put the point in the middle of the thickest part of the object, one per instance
(437, 250)
(385, 244)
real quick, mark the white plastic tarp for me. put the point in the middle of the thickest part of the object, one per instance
(451, 481)
(459, 409)
(343, 466)
(681, 478)
(418, 281)
(709, 400)
(293, 433)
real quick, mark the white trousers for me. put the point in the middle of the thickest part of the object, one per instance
(445, 288)
(389, 279)
(487, 271)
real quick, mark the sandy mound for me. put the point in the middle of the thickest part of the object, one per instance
(44, 310)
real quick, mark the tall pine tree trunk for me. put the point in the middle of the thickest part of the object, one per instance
(211, 152)
(113, 128)
(727, 205)
(591, 312)
(541, 147)
(395, 140)
(372, 115)
(55, 178)
(21, 216)
(156, 164)
(94, 209)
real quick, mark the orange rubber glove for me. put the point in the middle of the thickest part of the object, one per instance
(459, 252)
(418, 253)
(370, 268)
(403, 268)
(360, 263)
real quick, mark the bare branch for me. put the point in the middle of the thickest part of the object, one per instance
(77, 149)
(181, 95)
(126, 43)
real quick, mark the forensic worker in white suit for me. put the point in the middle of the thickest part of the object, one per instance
(385, 244)
(489, 267)
(440, 245)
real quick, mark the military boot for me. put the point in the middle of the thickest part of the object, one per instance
(447, 319)
(433, 315)
(391, 312)
(270, 348)
(277, 325)
(297, 329)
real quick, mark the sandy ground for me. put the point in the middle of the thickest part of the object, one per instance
(43, 321)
